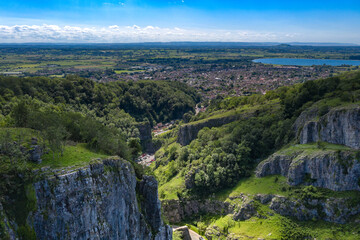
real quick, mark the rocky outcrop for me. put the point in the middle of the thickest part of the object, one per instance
(184, 232)
(338, 171)
(189, 132)
(306, 116)
(336, 210)
(213, 232)
(36, 151)
(6, 232)
(176, 211)
(98, 202)
(246, 211)
(339, 126)
(146, 137)
(151, 207)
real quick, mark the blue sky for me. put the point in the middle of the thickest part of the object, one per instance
(183, 20)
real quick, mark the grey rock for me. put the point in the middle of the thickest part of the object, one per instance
(293, 208)
(325, 169)
(189, 132)
(310, 132)
(146, 137)
(337, 210)
(264, 198)
(175, 210)
(35, 153)
(151, 207)
(274, 165)
(339, 126)
(97, 202)
(246, 211)
(34, 141)
(306, 116)
(6, 230)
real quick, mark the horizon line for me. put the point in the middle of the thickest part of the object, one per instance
(311, 43)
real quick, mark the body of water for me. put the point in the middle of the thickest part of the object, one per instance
(307, 62)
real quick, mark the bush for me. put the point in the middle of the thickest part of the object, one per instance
(290, 230)
(310, 192)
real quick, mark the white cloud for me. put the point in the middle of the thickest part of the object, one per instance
(124, 34)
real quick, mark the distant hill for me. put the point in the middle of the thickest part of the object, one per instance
(180, 44)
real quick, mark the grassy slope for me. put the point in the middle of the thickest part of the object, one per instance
(169, 190)
(267, 185)
(77, 156)
(311, 148)
(254, 185)
(273, 225)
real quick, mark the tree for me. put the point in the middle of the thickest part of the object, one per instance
(187, 117)
(134, 147)
(56, 137)
(20, 114)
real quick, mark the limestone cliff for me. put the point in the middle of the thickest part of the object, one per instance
(189, 132)
(98, 202)
(177, 211)
(245, 206)
(339, 126)
(338, 171)
(337, 210)
(146, 137)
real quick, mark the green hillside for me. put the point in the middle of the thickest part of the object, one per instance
(219, 164)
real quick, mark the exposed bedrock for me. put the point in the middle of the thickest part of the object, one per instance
(146, 137)
(176, 211)
(98, 202)
(189, 132)
(246, 206)
(339, 126)
(337, 210)
(338, 171)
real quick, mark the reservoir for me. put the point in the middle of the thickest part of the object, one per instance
(307, 62)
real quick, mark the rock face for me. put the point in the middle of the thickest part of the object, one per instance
(98, 202)
(176, 211)
(189, 132)
(6, 232)
(327, 169)
(305, 116)
(36, 151)
(246, 211)
(146, 137)
(337, 210)
(150, 204)
(339, 126)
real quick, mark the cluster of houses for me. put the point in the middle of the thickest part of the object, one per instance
(236, 80)
(145, 159)
(162, 127)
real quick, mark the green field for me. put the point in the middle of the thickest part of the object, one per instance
(77, 156)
